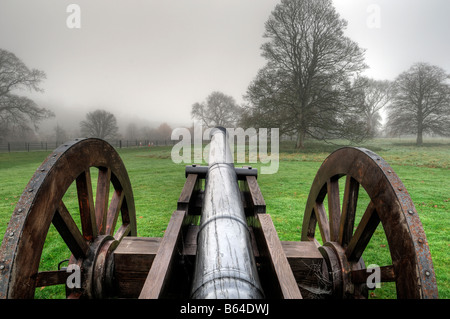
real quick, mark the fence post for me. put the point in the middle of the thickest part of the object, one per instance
(9, 147)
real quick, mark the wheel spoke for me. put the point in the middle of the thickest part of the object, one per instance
(113, 211)
(51, 278)
(86, 203)
(102, 198)
(348, 211)
(123, 231)
(322, 220)
(334, 207)
(386, 274)
(367, 226)
(66, 227)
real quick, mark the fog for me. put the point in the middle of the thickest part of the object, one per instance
(149, 61)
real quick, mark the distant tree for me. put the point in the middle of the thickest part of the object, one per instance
(132, 131)
(148, 132)
(101, 124)
(219, 109)
(60, 134)
(373, 97)
(421, 102)
(17, 113)
(310, 62)
(164, 132)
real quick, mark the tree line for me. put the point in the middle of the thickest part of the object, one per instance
(311, 87)
(103, 124)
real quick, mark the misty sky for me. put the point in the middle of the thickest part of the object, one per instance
(151, 60)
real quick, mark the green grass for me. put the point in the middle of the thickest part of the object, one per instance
(157, 183)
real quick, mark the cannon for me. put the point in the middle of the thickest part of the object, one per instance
(220, 242)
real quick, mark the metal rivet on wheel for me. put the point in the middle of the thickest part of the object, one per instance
(427, 273)
(2, 267)
(410, 212)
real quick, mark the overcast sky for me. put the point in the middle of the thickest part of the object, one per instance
(151, 60)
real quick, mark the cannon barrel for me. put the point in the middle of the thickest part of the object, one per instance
(225, 266)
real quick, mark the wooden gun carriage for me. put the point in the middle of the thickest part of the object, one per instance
(220, 242)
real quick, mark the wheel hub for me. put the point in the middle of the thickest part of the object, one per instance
(340, 272)
(96, 269)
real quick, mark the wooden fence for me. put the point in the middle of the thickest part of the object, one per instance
(50, 146)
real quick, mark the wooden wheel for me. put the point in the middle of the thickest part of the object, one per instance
(42, 204)
(389, 206)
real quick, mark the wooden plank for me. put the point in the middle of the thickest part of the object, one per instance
(188, 195)
(256, 200)
(301, 250)
(148, 246)
(272, 253)
(160, 270)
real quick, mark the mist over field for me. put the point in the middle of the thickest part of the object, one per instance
(149, 62)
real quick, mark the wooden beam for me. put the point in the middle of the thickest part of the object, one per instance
(254, 197)
(274, 257)
(188, 196)
(163, 262)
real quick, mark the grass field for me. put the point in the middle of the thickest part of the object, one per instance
(157, 183)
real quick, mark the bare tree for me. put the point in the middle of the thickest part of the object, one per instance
(132, 131)
(60, 133)
(101, 124)
(309, 64)
(218, 109)
(163, 132)
(374, 96)
(18, 112)
(421, 102)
